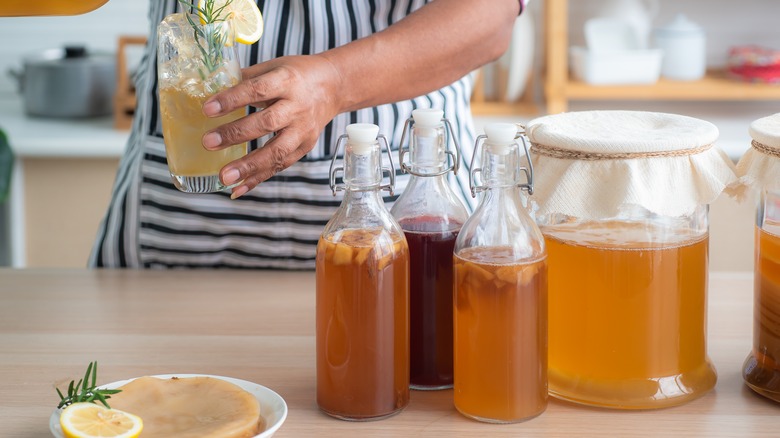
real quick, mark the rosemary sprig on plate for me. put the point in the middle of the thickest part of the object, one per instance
(86, 390)
(210, 39)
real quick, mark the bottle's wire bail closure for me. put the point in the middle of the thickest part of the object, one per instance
(528, 171)
(389, 171)
(453, 157)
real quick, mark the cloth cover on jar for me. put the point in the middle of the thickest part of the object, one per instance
(759, 167)
(595, 164)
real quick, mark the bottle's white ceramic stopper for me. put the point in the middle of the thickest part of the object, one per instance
(427, 117)
(500, 136)
(362, 137)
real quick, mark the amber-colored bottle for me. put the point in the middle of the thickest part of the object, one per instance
(500, 302)
(362, 276)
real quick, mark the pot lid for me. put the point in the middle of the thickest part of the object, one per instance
(69, 55)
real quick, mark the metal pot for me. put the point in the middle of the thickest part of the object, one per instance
(68, 82)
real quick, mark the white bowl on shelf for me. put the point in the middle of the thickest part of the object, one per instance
(604, 34)
(616, 67)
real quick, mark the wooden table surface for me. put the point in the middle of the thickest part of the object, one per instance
(259, 326)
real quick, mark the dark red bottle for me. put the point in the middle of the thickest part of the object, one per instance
(431, 216)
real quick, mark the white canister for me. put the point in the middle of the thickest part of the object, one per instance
(685, 50)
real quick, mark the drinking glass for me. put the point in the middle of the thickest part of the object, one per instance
(194, 62)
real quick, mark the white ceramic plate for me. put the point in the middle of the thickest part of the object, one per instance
(272, 405)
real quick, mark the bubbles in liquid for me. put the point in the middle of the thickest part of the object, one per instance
(623, 235)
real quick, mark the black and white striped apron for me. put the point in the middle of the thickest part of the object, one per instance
(150, 224)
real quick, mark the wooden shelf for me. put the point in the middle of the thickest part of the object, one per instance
(715, 86)
(559, 88)
(503, 108)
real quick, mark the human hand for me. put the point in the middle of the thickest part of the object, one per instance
(299, 95)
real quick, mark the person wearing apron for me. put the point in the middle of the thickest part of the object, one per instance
(276, 224)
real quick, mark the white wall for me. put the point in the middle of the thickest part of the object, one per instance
(97, 30)
(726, 22)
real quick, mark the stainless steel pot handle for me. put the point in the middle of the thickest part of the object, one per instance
(16, 74)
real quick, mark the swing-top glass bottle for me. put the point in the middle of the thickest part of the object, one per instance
(500, 291)
(431, 216)
(362, 280)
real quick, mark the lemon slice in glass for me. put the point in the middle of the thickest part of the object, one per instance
(88, 420)
(247, 19)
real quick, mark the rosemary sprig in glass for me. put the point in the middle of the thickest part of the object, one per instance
(210, 39)
(86, 390)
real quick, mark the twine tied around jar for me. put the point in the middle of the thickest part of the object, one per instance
(769, 150)
(555, 152)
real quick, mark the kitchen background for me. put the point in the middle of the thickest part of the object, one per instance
(65, 168)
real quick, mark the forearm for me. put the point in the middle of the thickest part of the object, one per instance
(431, 48)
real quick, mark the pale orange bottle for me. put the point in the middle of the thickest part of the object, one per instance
(760, 167)
(22, 8)
(362, 274)
(500, 301)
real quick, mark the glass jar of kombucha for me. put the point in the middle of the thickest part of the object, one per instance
(760, 168)
(622, 200)
(362, 278)
(431, 216)
(500, 301)
(22, 8)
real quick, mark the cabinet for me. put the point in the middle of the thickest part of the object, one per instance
(61, 186)
(560, 88)
(64, 201)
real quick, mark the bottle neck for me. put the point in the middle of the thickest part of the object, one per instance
(362, 167)
(427, 148)
(362, 181)
(500, 168)
(363, 197)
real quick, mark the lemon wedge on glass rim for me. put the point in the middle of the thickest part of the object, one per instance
(245, 15)
(88, 420)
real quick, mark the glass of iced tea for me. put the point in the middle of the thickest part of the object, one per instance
(195, 61)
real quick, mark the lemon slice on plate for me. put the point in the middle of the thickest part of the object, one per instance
(246, 17)
(88, 420)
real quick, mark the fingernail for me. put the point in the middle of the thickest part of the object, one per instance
(238, 191)
(230, 177)
(212, 140)
(212, 108)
